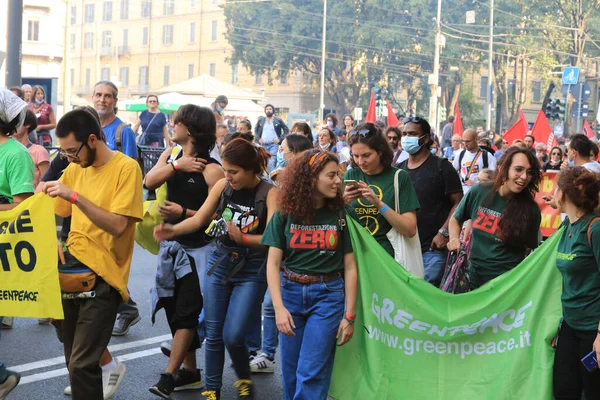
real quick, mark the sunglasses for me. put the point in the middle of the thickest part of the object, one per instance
(556, 154)
(415, 120)
(152, 101)
(363, 132)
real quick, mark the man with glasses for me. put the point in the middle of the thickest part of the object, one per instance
(393, 135)
(451, 152)
(439, 191)
(102, 191)
(472, 160)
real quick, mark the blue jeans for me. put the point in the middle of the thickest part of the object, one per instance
(273, 149)
(201, 256)
(434, 262)
(270, 333)
(229, 309)
(317, 310)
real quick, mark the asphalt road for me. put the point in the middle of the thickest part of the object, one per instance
(35, 351)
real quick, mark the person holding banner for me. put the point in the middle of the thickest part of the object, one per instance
(102, 191)
(578, 260)
(506, 218)
(319, 279)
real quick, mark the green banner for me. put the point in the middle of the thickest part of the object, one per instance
(412, 341)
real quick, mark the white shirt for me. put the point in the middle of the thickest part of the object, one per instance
(465, 167)
(592, 166)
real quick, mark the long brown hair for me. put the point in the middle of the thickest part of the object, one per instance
(246, 155)
(517, 217)
(296, 197)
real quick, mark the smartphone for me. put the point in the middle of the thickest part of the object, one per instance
(590, 362)
(352, 183)
(546, 198)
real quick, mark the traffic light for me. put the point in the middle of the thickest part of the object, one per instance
(377, 96)
(555, 110)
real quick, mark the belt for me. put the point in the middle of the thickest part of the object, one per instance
(308, 279)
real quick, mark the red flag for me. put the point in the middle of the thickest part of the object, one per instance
(392, 119)
(458, 126)
(587, 129)
(371, 112)
(518, 130)
(542, 132)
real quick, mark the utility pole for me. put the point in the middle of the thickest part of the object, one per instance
(14, 40)
(433, 100)
(490, 100)
(322, 96)
(65, 61)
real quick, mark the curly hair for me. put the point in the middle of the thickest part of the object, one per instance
(581, 187)
(517, 217)
(296, 197)
(375, 140)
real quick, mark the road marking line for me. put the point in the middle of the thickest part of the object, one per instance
(114, 348)
(63, 371)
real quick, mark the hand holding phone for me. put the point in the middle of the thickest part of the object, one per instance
(590, 362)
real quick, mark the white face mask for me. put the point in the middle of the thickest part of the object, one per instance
(325, 146)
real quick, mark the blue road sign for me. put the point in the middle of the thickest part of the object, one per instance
(570, 76)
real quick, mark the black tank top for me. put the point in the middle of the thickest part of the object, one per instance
(190, 190)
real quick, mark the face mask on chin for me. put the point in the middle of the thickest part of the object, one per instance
(325, 146)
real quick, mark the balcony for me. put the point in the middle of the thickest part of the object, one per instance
(105, 51)
(124, 51)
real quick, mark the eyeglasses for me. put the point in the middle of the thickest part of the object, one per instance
(556, 154)
(75, 156)
(363, 132)
(152, 101)
(416, 120)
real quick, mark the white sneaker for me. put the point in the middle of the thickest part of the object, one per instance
(67, 391)
(262, 364)
(112, 378)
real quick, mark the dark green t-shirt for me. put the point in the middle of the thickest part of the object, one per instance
(579, 264)
(490, 257)
(383, 185)
(314, 249)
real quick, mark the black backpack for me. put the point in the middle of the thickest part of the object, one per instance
(260, 200)
(484, 156)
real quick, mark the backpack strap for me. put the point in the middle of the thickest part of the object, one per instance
(260, 200)
(175, 152)
(118, 136)
(589, 230)
(224, 199)
(485, 159)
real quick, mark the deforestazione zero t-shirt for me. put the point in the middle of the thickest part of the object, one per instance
(16, 170)
(490, 256)
(317, 248)
(383, 185)
(579, 263)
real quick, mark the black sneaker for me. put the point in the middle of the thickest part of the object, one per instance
(212, 395)
(188, 380)
(164, 387)
(245, 390)
(124, 323)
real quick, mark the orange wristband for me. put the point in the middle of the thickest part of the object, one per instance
(244, 238)
(350, 317)
(73, 198)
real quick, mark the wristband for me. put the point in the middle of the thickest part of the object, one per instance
(350, 321)
(183, 213)
(350, 317)
(384, 209)
(73, 198)
(175, 165)
(244, 238)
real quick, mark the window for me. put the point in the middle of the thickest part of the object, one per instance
(166, 74)
(192, 32)
(212, 69)
(124, 76)
(194, 4)
(234, 74)
(72, 77)
(88, 74)
(73, 15)
(33, 30)
(190, 71)
(258, 79)
(107, 11)
(106, 39)
(124, 9)
(88, 43)
(483, 84)
(105, 74)
(145, 36)
(143, 76)
(125, 38)
(146, 8)
(168, 7)
(167, 34)
(213, 30)
(72, 41)
(536, 95)
(283, 77)
(89, 13)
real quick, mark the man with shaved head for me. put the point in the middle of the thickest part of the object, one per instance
(470, 161)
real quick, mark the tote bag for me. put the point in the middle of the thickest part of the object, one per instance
(407, 251)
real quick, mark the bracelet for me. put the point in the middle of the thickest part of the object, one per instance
(74, 197)
(384, 209)
(183, 213)
(350, 321)
(175, 165)
(350, 317)
(244, 238)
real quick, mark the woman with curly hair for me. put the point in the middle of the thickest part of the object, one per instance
(235, 282)
(506, 218)
(319, 278)
(372, 200)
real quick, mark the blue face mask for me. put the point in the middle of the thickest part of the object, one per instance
(411, 144)
(219, 108)
(433, 151)
(281, 161)
(39, 101)
(341, 144)
(571, 162)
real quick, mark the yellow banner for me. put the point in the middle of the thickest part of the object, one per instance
(29, 261)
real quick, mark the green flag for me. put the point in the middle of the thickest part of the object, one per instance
(412, 341)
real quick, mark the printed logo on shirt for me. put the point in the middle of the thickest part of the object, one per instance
(314, 237)
(367, 214)
(191, 180)
(465, 169)
(242, 216)
(487, 221)
(566, 257)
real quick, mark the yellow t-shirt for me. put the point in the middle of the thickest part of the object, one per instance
(115, 187)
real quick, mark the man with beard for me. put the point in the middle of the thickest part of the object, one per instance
(119, 136)
(102, 191)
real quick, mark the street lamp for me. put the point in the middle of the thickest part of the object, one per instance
(322, 96)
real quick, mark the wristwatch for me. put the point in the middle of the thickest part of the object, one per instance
(444, 232)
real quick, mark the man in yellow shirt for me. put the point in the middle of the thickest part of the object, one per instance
(102, 191)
